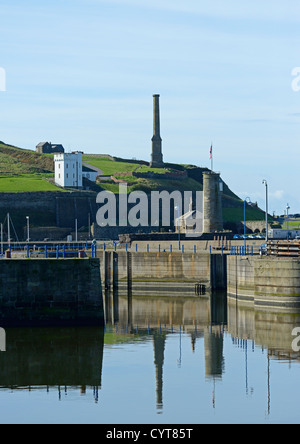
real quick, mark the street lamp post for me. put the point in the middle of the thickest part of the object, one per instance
(28, 237)
(266, 184)
(287, 221)
(245, 201)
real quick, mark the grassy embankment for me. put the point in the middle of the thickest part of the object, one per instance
(27, 171)
(24, 170)
(233, 206)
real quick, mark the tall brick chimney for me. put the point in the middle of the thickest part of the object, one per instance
(156, 156)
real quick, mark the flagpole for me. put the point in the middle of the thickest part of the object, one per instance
(211, 156)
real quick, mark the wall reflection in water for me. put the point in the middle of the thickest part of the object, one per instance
(72, 358)
(207, 318)
(65, 358)
(198, 317)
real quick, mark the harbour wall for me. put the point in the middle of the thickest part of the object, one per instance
(260, 281)
(50, 292)
(141, 272)
(264, 281)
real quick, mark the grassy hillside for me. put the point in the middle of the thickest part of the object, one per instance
(25, 170)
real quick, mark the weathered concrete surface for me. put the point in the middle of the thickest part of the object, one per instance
(240, 277)
(277, 282)
(264, 281)
(50, 292)
(169, 272)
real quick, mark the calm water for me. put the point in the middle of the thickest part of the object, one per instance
(159, 360)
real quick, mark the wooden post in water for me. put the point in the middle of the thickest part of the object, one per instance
(129, 272)
(115, 267)
(107, 269)
(129, 288)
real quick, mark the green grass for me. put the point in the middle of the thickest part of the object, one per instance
(15, 160)
(111, 167)
(292, 224)
(108, 166)
(26, 183)
(237, 214)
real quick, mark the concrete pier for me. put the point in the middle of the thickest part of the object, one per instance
(40, 292)
(259, 281)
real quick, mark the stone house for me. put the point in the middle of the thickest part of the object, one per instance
(49, 148)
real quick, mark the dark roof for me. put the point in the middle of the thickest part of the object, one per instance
(86, 169)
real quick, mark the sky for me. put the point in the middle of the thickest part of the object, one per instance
(82, 73)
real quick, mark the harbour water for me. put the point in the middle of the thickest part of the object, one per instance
(159, 360)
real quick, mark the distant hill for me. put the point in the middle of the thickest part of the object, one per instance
(233, 206)
(25, 170)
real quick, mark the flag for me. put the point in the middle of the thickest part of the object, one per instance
(210, 153)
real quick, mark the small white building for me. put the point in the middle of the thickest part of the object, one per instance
(68, 169)
(282, 233)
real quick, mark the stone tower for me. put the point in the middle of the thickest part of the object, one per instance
(156, 156)
(212, 202)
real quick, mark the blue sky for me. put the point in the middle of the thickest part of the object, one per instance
(83, 72)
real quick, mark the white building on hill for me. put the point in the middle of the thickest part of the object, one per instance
(68, 169)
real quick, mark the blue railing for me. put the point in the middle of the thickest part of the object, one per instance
(61, 250)
(242, 250)
(52, 250)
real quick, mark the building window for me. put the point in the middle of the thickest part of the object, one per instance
(67, 176)
(59, 176)
(59, 165)
(67, 166)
